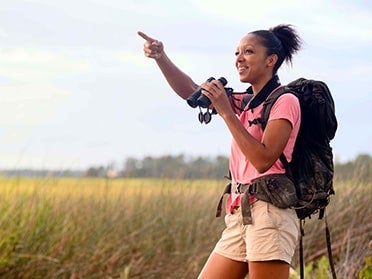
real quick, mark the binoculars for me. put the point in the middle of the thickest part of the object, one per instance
(199, 99)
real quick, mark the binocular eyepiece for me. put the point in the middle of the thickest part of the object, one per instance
(199, 99)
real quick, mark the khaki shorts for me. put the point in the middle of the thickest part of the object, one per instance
(272, 236)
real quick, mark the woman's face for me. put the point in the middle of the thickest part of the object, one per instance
(252, 62)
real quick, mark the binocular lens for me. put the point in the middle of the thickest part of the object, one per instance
(205, 117)
(192, 100)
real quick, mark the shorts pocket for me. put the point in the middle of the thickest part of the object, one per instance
(284, 220)
(261, 216)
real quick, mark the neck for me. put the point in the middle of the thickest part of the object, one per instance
(257, 86)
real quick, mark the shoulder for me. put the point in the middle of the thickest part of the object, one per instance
(287, 106)
(287, 98)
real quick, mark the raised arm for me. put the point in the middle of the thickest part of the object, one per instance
(179, 81)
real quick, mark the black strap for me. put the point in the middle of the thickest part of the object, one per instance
(302, 234)
(227, 190)
(245, 101)
(260, 97)
(287, 168)
(329, 248)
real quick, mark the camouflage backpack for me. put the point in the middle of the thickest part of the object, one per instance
(311, 168)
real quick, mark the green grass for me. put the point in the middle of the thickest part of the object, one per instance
(147, 228)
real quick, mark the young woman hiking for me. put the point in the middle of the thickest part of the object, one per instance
(264, 247)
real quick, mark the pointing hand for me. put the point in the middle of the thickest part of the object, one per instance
(152, 47)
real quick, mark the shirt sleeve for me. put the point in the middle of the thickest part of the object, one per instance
(286, 107)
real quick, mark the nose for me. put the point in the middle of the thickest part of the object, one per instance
(239, 58)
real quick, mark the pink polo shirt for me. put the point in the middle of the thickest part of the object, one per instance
(242, 171)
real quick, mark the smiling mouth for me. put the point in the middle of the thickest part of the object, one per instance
(242, 69)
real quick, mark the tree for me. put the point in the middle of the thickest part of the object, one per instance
(95, 172)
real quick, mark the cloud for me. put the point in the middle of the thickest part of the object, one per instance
(33, 65)
(131, 58)
(332, 21)
(29, 105)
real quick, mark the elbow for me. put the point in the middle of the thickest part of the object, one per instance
(262, 170)
(264, 162)
(263, 167)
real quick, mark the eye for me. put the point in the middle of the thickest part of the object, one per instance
(236, 53)
(248, 51)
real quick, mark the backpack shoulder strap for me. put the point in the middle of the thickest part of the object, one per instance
(270, 102)
(265, 117)
(245, 101)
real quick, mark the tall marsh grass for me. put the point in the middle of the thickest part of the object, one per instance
(98, 228)
(349, 218)
(145, 228)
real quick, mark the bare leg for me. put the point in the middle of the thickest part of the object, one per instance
(220, 267)
(268, 269)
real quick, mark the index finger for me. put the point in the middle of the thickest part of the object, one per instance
(144, 36)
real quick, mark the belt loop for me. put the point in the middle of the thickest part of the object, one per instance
(242, 188)
(238, 187)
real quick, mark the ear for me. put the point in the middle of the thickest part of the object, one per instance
(271, 60)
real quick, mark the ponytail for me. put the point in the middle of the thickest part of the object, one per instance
(281, 40)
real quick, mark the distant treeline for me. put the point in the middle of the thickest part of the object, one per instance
(42, 173)
(185, 167)
(177, 167)
(360, 168)
(200, 167)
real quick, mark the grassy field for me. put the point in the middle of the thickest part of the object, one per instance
(148, 228)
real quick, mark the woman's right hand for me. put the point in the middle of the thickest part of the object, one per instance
(152, 47)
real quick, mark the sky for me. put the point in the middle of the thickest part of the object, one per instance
(76, 90)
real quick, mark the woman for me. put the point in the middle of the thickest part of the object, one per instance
(264, 247)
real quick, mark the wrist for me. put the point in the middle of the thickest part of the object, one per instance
(228, 116)
(162, 58)
(159, 55)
